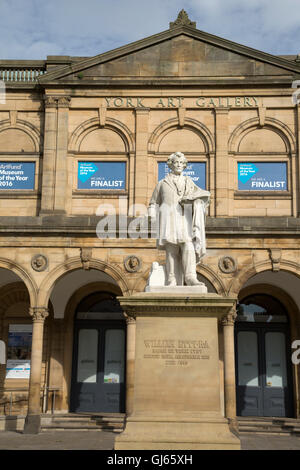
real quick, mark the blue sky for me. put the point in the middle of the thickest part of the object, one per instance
(33, 29)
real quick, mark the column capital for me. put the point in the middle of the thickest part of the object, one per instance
(38, 314)
(62, 101)
(129, 320)
(230, 317)
(142, 110)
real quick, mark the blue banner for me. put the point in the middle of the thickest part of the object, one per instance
(196, 171)
(267, 176)
(102, 175)
(17, 175)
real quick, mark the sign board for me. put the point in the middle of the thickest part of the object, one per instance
(19, 351)
(266, 176)
(102, 175)
(17, 175)
(196, 171)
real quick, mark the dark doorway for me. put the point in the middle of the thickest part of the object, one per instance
(98, 375)
(263, 369)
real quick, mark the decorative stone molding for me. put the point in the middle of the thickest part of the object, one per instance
(38, 314)
(182, 20)
(39, 262)
(132, 264)
(275, 256)
(85, 256)
(227, 264)
(57, 101)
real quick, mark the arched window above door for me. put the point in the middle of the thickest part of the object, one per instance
(261, 308)
(99, 306)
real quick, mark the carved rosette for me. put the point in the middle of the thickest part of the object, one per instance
(39, 262)
(57, 101)
(38, 314)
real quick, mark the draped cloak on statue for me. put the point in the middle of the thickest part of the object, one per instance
(177, 224)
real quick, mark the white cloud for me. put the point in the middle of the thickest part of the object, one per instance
(37, 28)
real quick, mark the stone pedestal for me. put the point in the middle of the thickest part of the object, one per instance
(177, 375)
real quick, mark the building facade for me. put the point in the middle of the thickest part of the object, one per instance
(82, 139)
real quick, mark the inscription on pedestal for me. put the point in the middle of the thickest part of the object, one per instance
(176, 352)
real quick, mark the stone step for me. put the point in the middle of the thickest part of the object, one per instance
(68, 427)
(268, 425)
(113, 422)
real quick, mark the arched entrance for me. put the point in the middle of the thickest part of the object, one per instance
(263, 368)
(98, 366)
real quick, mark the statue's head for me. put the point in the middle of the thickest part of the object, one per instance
(177, 162)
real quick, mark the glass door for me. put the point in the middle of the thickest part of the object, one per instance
(98, 381)
(263, 369)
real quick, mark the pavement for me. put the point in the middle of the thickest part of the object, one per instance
(101, 440)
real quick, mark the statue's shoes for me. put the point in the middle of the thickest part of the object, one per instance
(171, 282)
(193, 281)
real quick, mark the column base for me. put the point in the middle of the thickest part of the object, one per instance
(144, 433)
(32, 424)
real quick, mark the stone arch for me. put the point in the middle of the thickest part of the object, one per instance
(271, 124)
(31, 132)
(11, 294)
(74, 264)
(212, 277)
(93, 124)
(24, 276)
(245, 275)
(190, 124)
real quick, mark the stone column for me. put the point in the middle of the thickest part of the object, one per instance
(54, 180)
(33, 419)
(130, 363)
(141, 156)
(222, 163)
(229, 366)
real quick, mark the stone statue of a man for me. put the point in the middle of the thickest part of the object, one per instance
(181, 222)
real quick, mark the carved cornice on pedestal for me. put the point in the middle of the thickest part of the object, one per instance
(38, 314)
(150, 304)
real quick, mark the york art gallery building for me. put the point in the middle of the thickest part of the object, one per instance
(81, 134)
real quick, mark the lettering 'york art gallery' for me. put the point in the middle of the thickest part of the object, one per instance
(81, 134)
